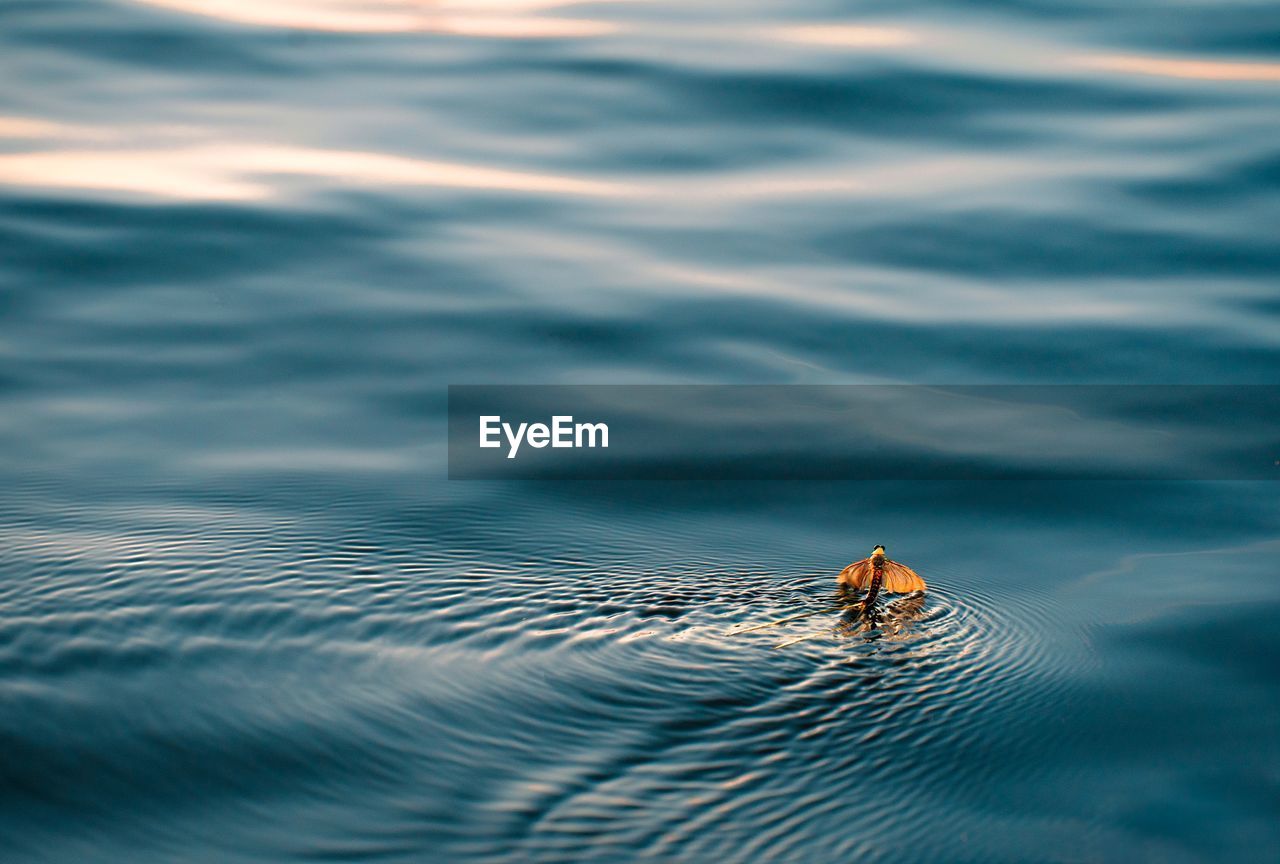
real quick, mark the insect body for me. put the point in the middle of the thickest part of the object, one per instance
(878, 572)
(874, 573)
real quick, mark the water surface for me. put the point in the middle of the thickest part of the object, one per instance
(245, 247)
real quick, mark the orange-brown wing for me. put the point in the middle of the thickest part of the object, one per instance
(857, 574)
(901, 579)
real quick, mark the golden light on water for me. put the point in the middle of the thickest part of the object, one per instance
(27, 127)
(239, 172)
(846, 36)
(1203, 70)
(505, 19)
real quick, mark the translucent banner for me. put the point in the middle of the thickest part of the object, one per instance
(705, 433)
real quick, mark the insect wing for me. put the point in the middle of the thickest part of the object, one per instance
(857, 574)
(901, 579)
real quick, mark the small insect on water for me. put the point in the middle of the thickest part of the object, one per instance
(875, 573)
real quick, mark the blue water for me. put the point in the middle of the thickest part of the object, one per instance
(244, 247)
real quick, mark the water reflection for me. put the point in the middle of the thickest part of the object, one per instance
(241, 171)
(243, 617)
(29, 127)
(504, 19)
(880, 619)
(1170, 67)
(892, 618)
(846, 36)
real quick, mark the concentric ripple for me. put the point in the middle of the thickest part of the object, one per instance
(727, 736)
(570, 706)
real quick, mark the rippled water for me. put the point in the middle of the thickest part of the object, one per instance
(245, 246)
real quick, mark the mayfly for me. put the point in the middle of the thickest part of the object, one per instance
(874, 573)
(878, 572)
